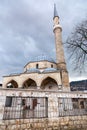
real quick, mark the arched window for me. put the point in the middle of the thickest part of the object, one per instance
(37, 66)
(51, 65)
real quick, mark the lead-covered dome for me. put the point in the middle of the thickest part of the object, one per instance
(50, 70)
(33, 70)
(39, 63)
(42, 57)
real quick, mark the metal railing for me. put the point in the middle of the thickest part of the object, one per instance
(37, 107)
(25, 108)
(72, 106)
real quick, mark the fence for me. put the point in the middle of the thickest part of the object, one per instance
(25, 107)
(37, 107)
(72, 106)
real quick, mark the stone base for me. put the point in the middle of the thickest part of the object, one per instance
(61, 123)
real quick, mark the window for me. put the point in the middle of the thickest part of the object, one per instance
(23, 102)
(51, 65)
(8, 102)
(82, 104)
(34, 103)
(37, 66)
(75, 103)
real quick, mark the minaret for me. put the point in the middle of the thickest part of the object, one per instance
(60, 59)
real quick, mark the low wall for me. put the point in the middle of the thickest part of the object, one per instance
(62, 123)
(53, 122)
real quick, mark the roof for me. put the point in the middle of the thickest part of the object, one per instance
(33, 70)
(42, 57)
(49, 70)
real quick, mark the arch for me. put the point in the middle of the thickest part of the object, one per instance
(29, 83)
(49, 83)
(12, 84)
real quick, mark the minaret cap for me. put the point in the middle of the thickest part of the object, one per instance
(55, 12)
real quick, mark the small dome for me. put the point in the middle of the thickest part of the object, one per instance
(33, 70)
(49, 70)
(42, 57)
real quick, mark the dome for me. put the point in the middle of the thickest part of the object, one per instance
(42, 57)
(49, 70)
(33, 70)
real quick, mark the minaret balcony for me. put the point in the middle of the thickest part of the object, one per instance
(56, 27)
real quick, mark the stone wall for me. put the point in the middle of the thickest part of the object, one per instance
(53, 122)
(63, 123)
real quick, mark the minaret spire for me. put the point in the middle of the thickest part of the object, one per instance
(55, 11)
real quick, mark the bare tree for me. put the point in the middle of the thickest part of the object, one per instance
(77, 47)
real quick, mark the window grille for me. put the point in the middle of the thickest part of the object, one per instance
(25, 108)
(72, 106)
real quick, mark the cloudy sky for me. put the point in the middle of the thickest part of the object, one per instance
(26, 30)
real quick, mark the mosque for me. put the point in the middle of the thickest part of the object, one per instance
(39, 98)
(43, 72)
